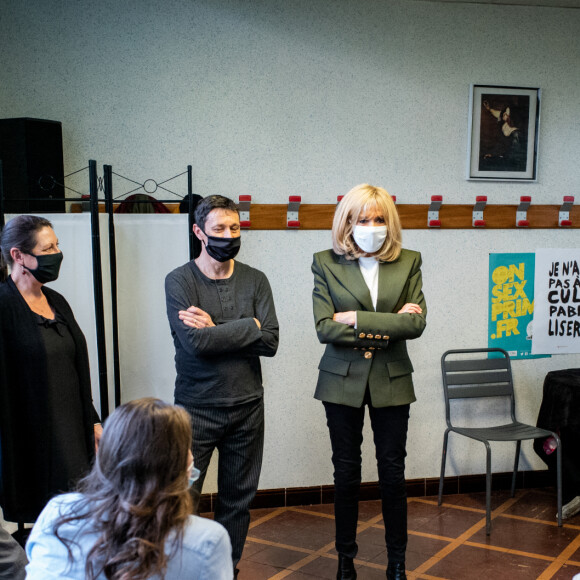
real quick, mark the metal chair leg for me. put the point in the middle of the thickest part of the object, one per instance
(559, 477)
(487, 489)
(443, 459)
(516, 465)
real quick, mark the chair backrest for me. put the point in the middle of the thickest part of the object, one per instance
(470, 374)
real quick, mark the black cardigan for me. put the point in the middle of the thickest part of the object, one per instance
(24, 424)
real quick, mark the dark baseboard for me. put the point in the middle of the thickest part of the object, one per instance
(321, 494)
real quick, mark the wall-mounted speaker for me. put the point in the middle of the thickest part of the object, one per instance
(32, 165)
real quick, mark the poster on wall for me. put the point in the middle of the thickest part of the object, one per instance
(557, 305)
(511, 303)
(503, 133)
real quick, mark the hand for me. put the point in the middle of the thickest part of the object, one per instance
(410, 309)
(258, 323)
(98, 428)
(345, 317)
(195, 318)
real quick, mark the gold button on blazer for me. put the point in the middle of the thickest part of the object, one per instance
(345, 369)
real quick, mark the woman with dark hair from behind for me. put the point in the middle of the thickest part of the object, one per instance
(131, 518)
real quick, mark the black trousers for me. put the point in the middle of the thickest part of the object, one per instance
(238, 434)
(389, 425)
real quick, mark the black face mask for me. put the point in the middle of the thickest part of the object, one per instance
(48, 267)
(223, 249)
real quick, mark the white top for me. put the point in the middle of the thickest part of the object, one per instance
(205, 552)
(369, 268)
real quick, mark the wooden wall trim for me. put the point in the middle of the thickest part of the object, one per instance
(413, 216)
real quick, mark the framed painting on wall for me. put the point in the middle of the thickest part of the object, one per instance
(503, 133)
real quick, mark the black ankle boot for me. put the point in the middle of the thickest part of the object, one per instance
(346, 569)
(396, 571)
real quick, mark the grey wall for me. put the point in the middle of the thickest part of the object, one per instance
(276, 98)
(284, 97)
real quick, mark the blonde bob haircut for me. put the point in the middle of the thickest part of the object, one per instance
(357, 201)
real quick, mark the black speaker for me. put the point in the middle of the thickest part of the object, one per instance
(32, 165)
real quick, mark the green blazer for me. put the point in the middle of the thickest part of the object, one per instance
(374, 353)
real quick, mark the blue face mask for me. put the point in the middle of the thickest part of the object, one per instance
(194, 474)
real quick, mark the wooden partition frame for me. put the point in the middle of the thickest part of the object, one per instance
(413, 216)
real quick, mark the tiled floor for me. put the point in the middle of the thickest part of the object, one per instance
(447, 542)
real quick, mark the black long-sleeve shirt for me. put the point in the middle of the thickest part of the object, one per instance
(220, 365)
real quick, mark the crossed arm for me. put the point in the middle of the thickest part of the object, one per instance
(200, 335)
(350, 316)
(334, 327)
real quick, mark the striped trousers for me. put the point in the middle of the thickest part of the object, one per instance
(238, 434)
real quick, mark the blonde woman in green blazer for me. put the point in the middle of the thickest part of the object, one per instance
(368, 301)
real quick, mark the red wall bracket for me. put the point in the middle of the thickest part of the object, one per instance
(244, 209)
(564, 220)
(433, 220)
(292, 219)
(522, 211)
(477, 220)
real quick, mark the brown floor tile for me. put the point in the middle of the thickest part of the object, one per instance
(371, 546)
(532, 537)
(467, 563)
(325, 569)
(255, 571)
(364, 573)
(566, 572)
(537, 504)
(440, 520)
(296, 519)
(296, 529)
(260, 513)
(250, 548)
(474, 500)
(280, 558)
(420, 549)
(368, 510)
(522, 544)
(327, 508)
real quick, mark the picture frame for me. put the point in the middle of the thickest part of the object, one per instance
(503, 133)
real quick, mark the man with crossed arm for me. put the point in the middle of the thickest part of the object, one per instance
(222, 318)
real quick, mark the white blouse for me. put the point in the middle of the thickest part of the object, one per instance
(369, 268)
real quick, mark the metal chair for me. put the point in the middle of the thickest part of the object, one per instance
(469, 374)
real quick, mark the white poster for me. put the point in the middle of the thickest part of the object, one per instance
(557, 302)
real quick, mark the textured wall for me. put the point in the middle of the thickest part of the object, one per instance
(284, 97)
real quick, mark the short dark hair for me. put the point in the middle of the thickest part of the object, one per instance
(20, 232)
(208, 204)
